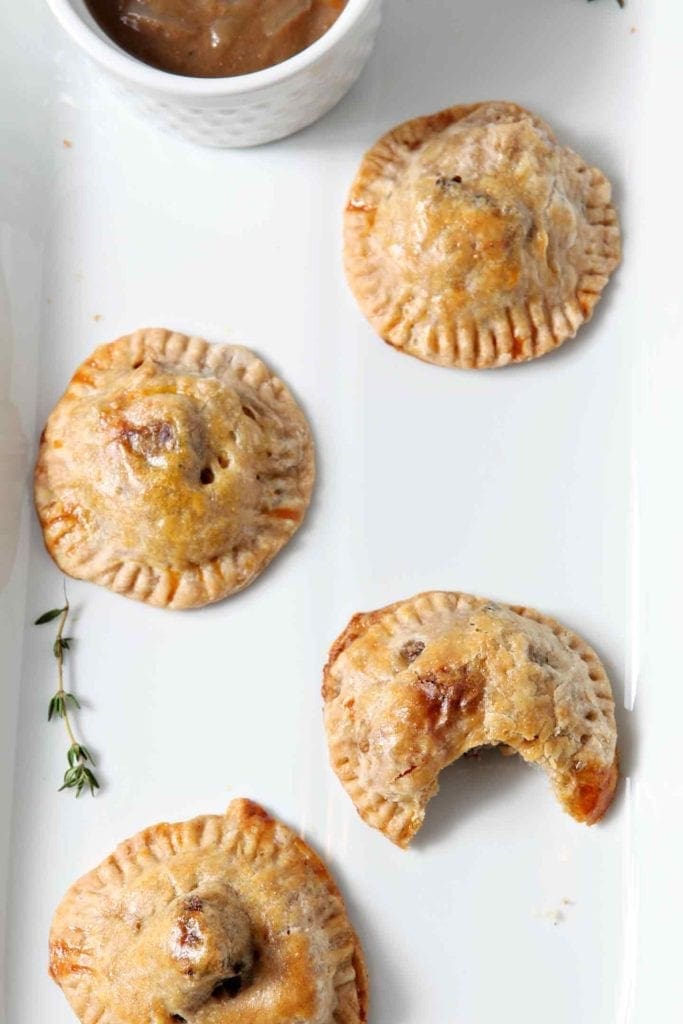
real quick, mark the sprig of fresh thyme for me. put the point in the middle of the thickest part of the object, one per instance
(78, 775)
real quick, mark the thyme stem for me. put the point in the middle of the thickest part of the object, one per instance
(78, 775)
(59, 654)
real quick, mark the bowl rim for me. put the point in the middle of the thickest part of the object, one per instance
(111, 56)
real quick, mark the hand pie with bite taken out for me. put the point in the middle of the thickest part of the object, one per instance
(412, 687)
(172, 470)
(474, 239)
(226, 919)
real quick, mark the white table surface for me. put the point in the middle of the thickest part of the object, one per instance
(554, 484)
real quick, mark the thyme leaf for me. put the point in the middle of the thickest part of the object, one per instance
(48, 616)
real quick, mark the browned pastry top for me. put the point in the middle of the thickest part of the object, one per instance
(412, 687)
(216, 920)
(172, 470)
(474, 239)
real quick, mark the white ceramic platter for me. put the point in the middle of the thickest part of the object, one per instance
(554, 484)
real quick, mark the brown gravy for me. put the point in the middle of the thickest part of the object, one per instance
(214, 38)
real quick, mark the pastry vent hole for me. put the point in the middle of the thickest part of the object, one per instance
(228, 988)
(591, 716)
(137, 364)
(178, 1019)
(444, 182)
(206, 476)
(248, 412)
(223, 461)
(412, 650)
(594, 676)
(538, 656)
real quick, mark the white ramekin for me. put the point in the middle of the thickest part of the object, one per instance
(245, 110)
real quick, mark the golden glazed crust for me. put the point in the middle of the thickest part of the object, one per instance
(172, 470)
(210, 921)
(473, 239)
(412, 687)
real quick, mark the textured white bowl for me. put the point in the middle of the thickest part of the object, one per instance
(244, 110)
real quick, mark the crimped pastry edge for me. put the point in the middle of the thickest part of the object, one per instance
(525, 331)
(199, 584)
(246, 825)
(395, 821)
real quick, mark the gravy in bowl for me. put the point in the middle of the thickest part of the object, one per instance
(214, 38)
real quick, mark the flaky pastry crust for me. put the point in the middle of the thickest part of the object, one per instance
(410, 688)
(217, 920)
(172, 470)
(473, 239)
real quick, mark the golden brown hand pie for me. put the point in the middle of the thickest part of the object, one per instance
(473, 239)
(172, 470)
(412, 687)
(216, 920)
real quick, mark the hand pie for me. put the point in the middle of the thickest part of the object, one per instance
(172, 470)
(217, 920)
(411, 688)
(473, 239)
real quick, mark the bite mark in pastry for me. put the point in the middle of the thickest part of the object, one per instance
(216, 920)
(473, 239)
(410, 688)
(172, 470)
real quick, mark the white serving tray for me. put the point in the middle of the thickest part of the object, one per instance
(554, 484)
